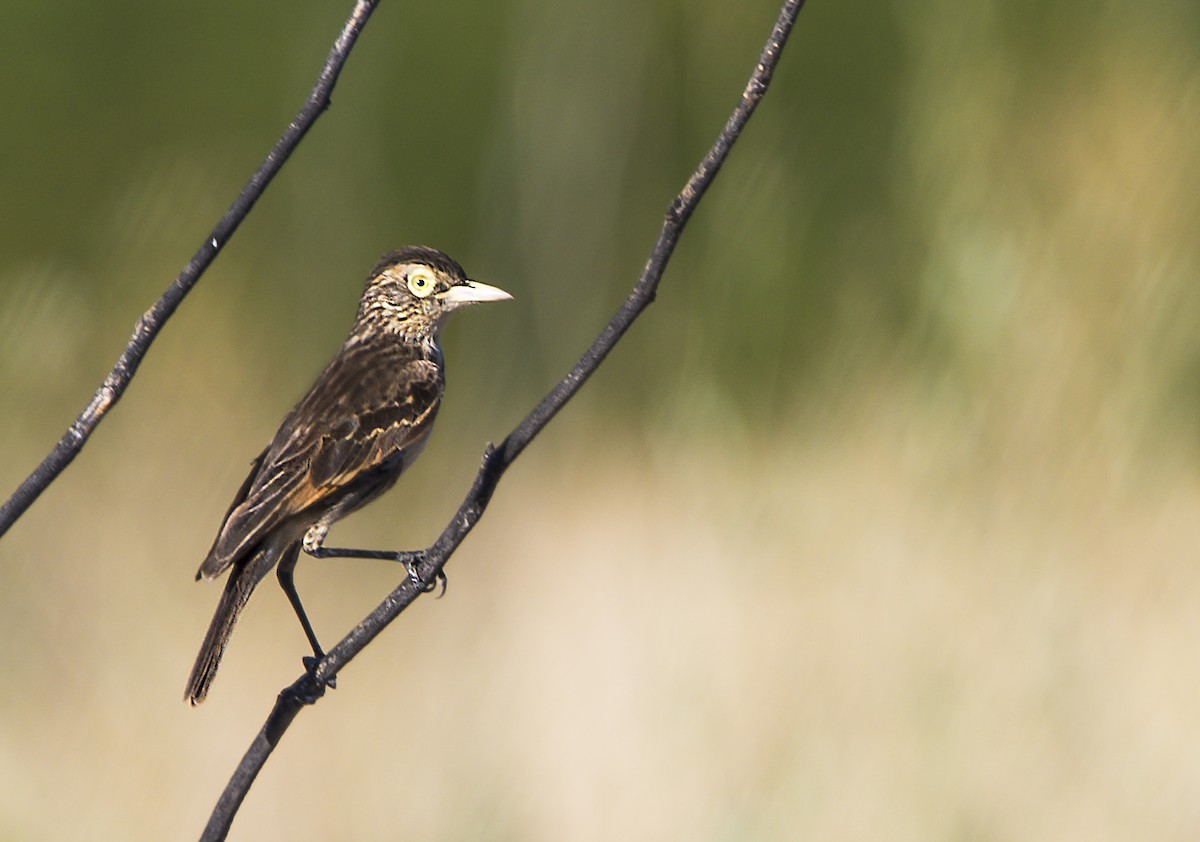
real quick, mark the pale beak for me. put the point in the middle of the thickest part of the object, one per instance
(472, 292)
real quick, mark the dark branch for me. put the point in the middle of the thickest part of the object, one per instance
(496, 460)
(151, 322)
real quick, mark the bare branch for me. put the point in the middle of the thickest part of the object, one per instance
(496, 460)
(151, 322)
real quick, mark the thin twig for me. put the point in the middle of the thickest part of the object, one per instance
(310, 686)
(151, 322)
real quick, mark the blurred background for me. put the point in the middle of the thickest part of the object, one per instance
(882, 523)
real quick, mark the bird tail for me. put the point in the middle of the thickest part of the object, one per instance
(241, 583)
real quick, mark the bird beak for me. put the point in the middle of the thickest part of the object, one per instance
(472, 292)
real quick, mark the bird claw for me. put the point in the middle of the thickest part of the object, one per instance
(414, 575)
(310, 664)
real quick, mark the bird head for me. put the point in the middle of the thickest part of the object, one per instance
(412, 290)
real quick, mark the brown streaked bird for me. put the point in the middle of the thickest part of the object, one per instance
(364, 420)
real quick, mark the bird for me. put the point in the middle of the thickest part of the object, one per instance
(363, 421)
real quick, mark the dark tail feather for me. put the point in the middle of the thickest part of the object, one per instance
(241, 583)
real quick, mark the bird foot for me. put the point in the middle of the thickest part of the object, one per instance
(310, 664)
(411, 559)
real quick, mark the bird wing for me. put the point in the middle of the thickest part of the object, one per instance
(238, 499)
(369, 406)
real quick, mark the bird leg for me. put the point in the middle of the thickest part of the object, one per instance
(284, 572)
(409, 558)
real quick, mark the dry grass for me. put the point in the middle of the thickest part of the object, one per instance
(832, 634)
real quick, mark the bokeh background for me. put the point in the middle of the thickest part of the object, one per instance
(882, 524)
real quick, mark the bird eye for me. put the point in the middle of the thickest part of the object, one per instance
(420, 282)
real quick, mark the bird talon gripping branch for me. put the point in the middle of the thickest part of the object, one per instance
(311, 662)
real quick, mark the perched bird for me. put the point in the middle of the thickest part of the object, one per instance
(364, 420)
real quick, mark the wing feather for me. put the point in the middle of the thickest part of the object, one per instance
(367, 410)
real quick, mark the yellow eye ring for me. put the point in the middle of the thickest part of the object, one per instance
(420, 282)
